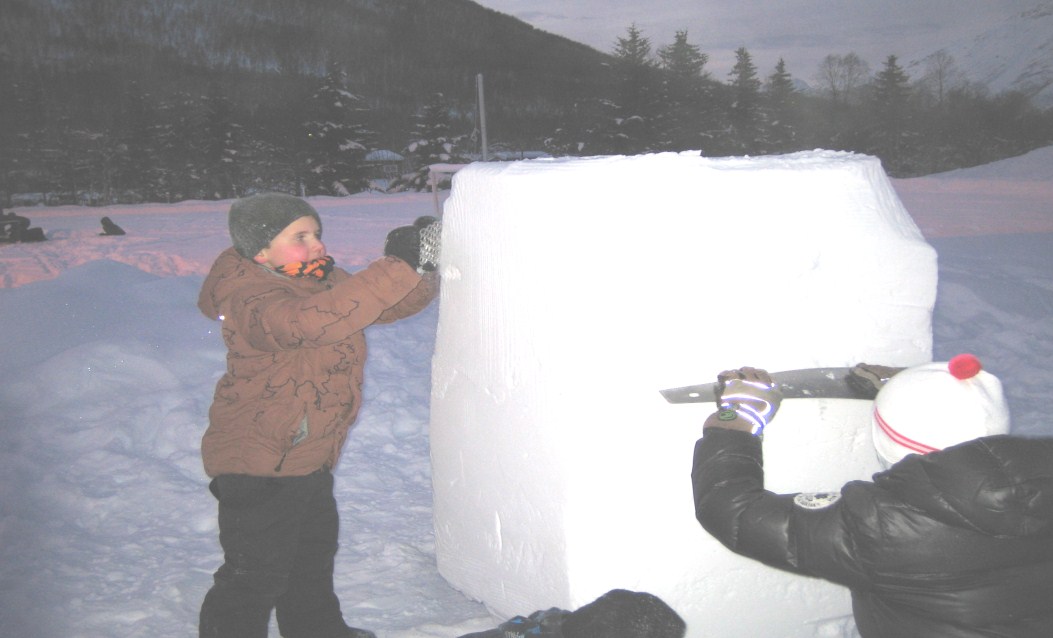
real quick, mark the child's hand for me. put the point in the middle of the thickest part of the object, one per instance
(417, 245)
(866, 379)
(747, 394)
(404, 243)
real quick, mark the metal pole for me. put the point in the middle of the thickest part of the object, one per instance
(482, 116)
(433, 180)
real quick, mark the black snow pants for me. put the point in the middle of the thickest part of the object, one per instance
(279, 540)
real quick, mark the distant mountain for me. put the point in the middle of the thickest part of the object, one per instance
(163, 99)
(1016, 55)
(397, 53)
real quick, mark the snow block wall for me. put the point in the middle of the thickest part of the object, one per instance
(573, 290)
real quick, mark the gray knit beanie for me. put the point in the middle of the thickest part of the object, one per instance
(256, 220)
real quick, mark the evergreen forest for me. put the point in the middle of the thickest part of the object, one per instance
(127, 101)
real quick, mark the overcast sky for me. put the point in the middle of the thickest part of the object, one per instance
(802, 32)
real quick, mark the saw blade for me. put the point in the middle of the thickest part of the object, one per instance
(808, 383)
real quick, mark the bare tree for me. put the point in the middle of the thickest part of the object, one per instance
(841, 75)
(941, 74)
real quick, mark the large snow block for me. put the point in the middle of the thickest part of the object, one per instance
(573, 290)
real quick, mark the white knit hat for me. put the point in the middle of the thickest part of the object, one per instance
(936, 405)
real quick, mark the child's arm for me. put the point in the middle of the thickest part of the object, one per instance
(417, 300)
(278, 320)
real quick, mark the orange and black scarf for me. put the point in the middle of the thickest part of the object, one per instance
(319, 268)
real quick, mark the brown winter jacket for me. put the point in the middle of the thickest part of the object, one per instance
(296, 350)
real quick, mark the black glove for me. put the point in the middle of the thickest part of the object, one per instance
(750, 394)
(424, 221)
(866, 379)
(404, 243)
(417, 245)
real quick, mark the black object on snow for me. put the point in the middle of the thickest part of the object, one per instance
(617, 614)
(110, 228)
(15, 228)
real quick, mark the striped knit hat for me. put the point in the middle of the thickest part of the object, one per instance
(936, 405)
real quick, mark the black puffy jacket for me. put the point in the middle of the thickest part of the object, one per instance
(952, 544)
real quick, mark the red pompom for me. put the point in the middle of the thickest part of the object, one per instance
(964, 366)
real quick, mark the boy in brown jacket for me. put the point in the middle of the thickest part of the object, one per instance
(294, 328)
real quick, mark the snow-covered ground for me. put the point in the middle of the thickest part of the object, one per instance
(106, 526)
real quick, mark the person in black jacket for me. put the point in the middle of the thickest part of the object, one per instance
(954, 539)
(12, 227)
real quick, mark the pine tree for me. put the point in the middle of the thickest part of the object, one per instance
(684, 62)
(622, 123)
(433, 143)
(88, 163)
(23, 126)
(336, 139)
(136, 160)
(587, 128)
(889, 135)
(745, 114)
(635, 105)
(684, 94)
(891, 89)
(222, 147)
(58, 155)
(169, 175)
(780, 102)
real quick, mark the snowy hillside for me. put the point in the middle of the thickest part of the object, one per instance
(1017, 55)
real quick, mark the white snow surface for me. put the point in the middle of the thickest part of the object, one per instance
(107, 528)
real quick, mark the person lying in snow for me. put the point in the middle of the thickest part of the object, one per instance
(955, 538)
(294, 326)
(617, 614)
(15, 229)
